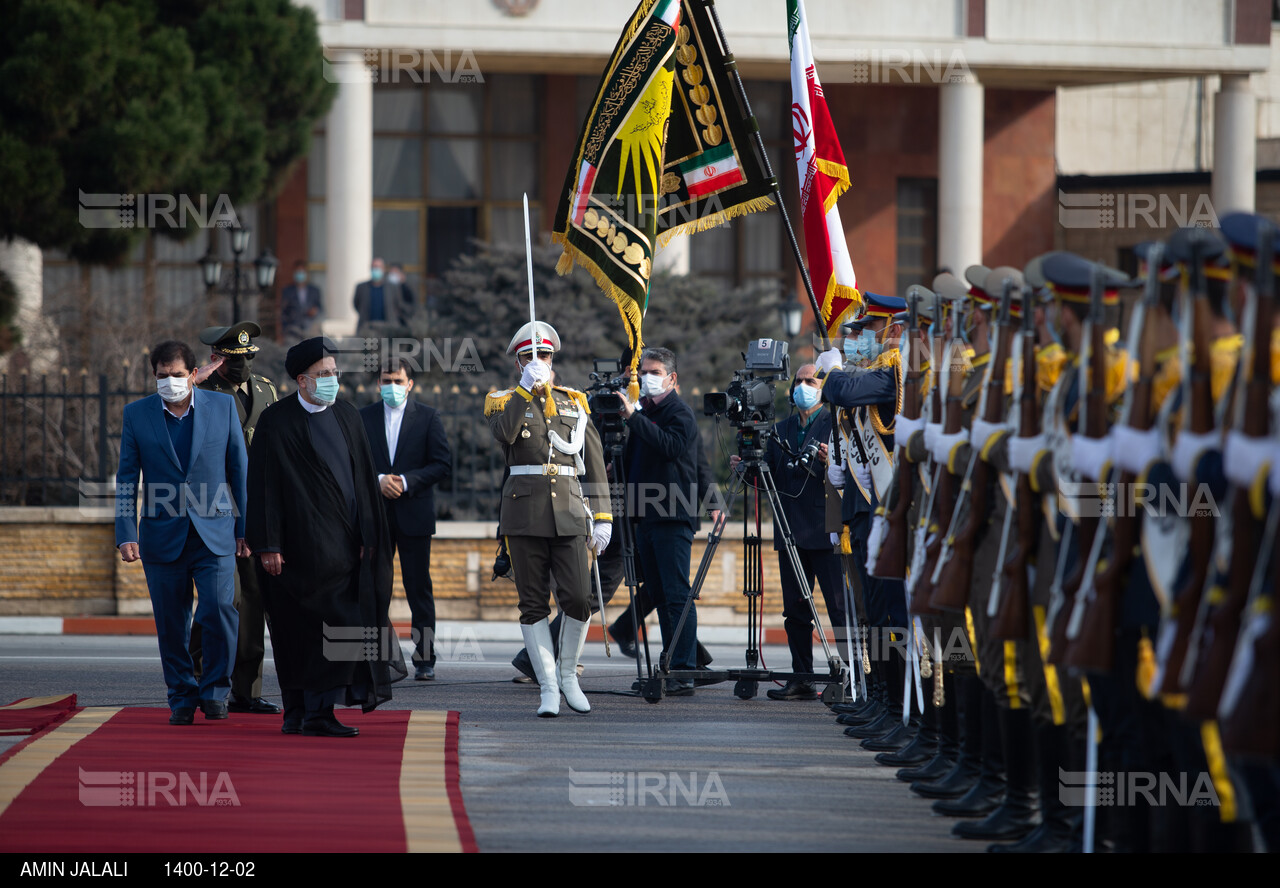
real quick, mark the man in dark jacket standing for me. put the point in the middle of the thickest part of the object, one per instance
(662, 497)
(411, 456)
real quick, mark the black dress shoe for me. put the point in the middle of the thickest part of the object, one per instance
(862, 707)
(875, 728)
(917, 752)
(983, 798)
(214, 709)
(256, 705)
(185, 715)
(1014, 819)
(626, 646)
(937, 767)
(793, 690)
(952, 785)
(327, 727)
(677, 687)
(424, 673)
(854, 719)
(892, 741)
(291, 727)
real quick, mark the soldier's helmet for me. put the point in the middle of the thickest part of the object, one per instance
(523, 340)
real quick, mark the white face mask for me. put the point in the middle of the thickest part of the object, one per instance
(652, 386)
(173, 388)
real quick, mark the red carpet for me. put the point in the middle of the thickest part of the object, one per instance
(32, 714)
(127, 781)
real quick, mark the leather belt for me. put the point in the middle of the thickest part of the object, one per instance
(548, 469)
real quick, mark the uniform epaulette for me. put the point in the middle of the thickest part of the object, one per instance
(580, 397)
(887, 359)
(494, 402)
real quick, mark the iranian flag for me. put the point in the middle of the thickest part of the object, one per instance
(823, 178)
(711, 171)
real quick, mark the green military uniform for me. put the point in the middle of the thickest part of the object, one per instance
(255, 394)
(543, 517)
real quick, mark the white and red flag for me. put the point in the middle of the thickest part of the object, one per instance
(823, 178)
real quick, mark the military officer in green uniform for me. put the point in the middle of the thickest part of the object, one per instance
(232, 359)
(555, 505)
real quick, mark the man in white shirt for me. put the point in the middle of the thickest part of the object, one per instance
(411, 455)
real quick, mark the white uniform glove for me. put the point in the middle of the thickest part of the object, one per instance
(600, 536)
(535, 374)
(864, 475)
(829, 360)
(835, 540)
(835, 474)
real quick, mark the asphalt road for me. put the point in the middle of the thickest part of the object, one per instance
(705, 773)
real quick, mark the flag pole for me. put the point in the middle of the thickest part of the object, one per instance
(528, 256)
(731, 65)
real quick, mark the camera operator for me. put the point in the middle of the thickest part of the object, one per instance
(662, 471)
(797, 458)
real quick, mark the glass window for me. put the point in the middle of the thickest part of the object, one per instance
(513, 170)
(506, 225)
(763, 235)
(513, 104)
(396, 236)
(449, 234)
(397, 167)
(454, 108)
(455, 169)
(917, 253)
(397, 110)
(316, 234)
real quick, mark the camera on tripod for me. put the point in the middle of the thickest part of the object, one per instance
(808, 460)
(606, 397)
(748, 399)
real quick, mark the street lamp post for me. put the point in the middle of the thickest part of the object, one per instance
(792, 315)
(239, 243)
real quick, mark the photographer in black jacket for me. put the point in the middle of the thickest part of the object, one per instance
(662, 497)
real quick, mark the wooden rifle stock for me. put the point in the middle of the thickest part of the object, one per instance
(1219, 642)
(1095, 426)
(1093, 648)
(953, 591)
(892, 561)
(923, 592)
(1186, 599)
(1012, 615)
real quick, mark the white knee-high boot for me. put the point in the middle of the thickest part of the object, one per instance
(537, 641)
(573, 635)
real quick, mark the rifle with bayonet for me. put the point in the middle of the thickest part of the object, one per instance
(971, 504)
(891, 562)
(1193, 247)
(1221, 609)
(1093, 385)
(1010, 599)
(1093, 645)
(941, 495)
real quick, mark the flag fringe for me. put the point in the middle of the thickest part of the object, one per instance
(840, 174)
(626, 305)
(756, 205)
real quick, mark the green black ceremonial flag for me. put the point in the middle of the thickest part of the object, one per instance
(665, 151)
(607, 219)
(712, 171)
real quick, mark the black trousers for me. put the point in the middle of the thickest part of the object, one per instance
(415, 571)
(797, 618)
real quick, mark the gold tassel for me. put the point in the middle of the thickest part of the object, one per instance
(939, 694)
(715, 220)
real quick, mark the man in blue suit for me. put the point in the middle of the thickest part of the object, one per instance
(187, 444)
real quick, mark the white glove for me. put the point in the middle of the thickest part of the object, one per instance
(829, 360)
(835, 540)
(600, 536)
(535, 374)
(835, 474)
(863, 473)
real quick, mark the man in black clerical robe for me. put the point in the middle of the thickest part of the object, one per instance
(320, 533)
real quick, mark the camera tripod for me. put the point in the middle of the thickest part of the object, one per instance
(754, 467)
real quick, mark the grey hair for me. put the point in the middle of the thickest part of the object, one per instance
(664, 356)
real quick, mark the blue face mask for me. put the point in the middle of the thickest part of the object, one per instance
(326, 389)
(375, 275)
(395, 395)
(865, 347)
(300, 277)
(806, 396)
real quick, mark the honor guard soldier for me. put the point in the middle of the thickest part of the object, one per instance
(232, 354)
(555, 504)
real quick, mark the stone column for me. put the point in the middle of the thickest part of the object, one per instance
(348, 189)
(960, 152)
(1235, 146)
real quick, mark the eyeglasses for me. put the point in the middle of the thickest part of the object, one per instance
(327, 374)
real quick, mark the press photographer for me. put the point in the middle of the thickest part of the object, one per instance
(797, 458)
(661, 461)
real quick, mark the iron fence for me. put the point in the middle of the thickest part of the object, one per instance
(57, 432)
